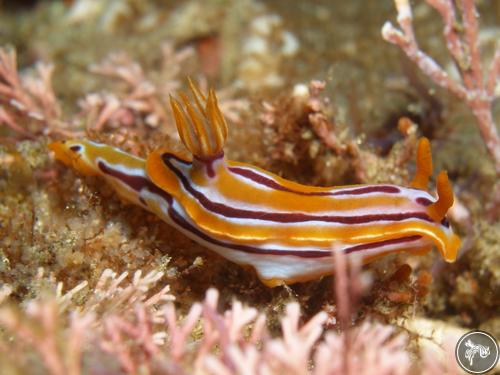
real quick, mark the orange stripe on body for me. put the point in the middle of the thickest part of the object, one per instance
(303, 234)
(243, 193)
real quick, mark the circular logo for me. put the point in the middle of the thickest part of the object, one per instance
(477, 352)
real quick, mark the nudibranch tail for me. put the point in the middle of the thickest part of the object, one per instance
(202, 127)
(436, 210)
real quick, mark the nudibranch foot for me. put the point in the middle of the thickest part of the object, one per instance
(286, 231)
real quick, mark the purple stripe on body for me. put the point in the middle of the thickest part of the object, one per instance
(180, 160)
(270, 183)
(138, 183)
(209, 164)
(423, 201)
(232, 212)
(372, 245)
(183, 223)
(388, 189)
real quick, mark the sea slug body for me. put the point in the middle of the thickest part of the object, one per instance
(285, 230)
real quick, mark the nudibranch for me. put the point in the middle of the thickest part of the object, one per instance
(284, 230)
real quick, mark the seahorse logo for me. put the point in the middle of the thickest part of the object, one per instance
(484, 351)
(477, 352)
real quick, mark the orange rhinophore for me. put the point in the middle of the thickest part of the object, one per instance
(424, 165)
(285, 230)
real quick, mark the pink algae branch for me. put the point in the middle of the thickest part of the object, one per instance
(28, 105)
(125, 325)
(476, 87)
(122, 329)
